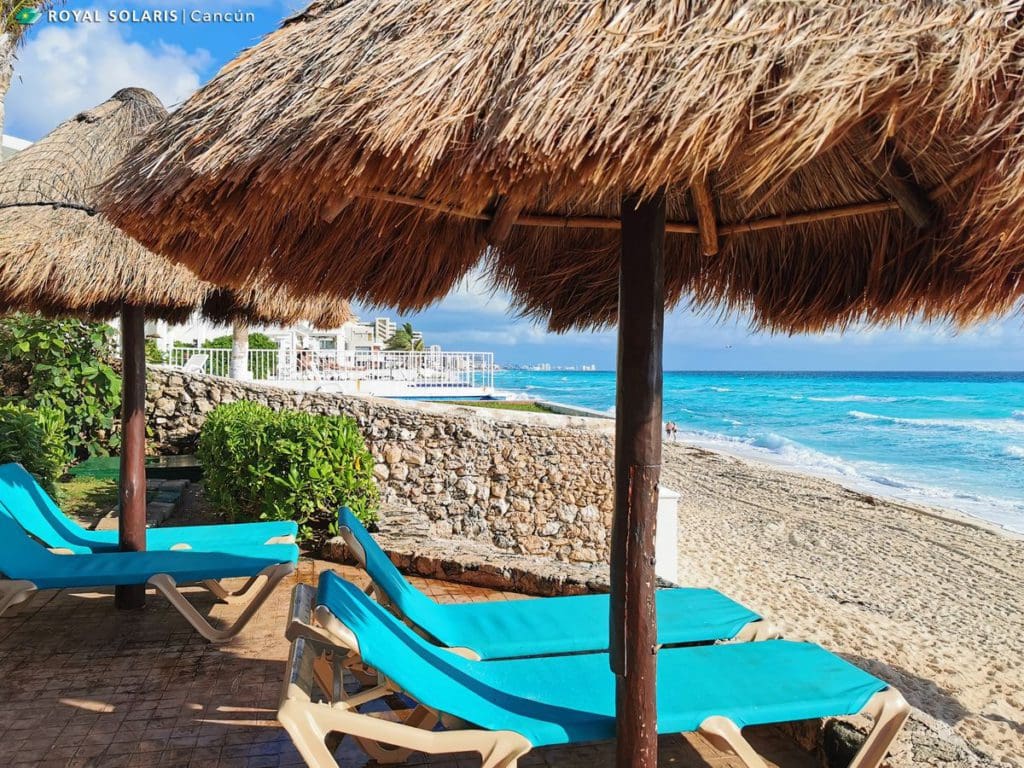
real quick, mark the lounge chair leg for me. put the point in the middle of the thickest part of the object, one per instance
(889, 710)
(421, 717)
(725, 735)
(14, 593)
(505, 750)
(307, 735)
(238, 596)
(166, 585)
(309, 724)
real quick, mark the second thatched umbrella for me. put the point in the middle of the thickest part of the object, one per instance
(59, 256)
(814, 163)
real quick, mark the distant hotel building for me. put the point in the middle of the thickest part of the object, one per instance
(361, 338)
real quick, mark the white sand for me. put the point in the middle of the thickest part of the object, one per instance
(928, 601)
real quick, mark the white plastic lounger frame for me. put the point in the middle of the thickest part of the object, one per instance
(310, 724)
(258, 589)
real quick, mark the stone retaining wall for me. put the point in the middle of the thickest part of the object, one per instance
(523, 482)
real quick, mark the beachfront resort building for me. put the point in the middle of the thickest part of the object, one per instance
(11, 145)
(351, 359)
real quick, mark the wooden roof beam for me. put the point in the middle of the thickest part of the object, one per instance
(502, 220)
(895, 175)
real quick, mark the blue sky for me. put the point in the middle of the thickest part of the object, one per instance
(67, 67)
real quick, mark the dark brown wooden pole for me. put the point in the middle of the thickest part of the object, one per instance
(895, 175)
(637, 469)
(132, 495)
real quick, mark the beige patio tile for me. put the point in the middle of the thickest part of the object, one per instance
(89, 687)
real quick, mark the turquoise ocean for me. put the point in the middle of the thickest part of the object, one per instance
(952, 440)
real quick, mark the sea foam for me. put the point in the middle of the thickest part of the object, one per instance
(1011, 426)
(893, 399)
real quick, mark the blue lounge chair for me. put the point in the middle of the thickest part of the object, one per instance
(544, 626)
(24, 500)
(27, 566)
(502, 709)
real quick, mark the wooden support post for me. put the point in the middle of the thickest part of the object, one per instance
(501, 223)
(707, 218)
(132, 492)
(898, 180)
(638, 414)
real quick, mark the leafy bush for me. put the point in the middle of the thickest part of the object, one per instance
(153, 353)
(263, 366)
(259, 464)
(63, 366)
(34, 439)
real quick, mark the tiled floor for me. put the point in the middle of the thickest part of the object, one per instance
(82, 684)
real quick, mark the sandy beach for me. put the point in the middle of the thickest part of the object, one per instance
(924, 599)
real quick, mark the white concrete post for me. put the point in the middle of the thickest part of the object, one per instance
(666, 549)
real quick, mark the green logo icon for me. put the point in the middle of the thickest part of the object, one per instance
(26, 16)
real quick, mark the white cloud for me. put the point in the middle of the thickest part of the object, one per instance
(67, 68)
(475, 294)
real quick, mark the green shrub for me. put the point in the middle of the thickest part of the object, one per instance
(64, 366)
(153, 353)
(34, 439)
(259, 464)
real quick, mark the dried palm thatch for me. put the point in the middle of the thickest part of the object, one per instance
(58, 256)
(825, 163)
(261, 302)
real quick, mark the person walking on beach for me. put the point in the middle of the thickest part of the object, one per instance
(671, 430)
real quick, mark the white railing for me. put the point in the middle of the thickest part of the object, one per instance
(417, 369)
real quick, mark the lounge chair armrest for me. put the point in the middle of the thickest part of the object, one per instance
(302, 624)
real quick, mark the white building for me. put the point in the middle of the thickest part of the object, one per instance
(384, 328)
(360, 338)
(11, 145)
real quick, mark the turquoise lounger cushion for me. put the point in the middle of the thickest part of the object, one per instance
(203, 537)
(569, 699)
(24, 500)
(23, 558)
(545, 626)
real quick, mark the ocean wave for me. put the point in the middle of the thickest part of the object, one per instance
(772, 447)
(1012, 426)
(866, 477)
(1019, 415)
(720, 389)
(893, 399)
(855, 399)
(1016, 451)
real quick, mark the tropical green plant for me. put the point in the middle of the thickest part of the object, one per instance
(64, 366)
(264, 366)
(153, 352)
(404, 340)
(260, 464)
(34, 438)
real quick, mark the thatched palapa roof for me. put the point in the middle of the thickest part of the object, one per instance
(58, 256)
(824, 162)
(263, 302)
